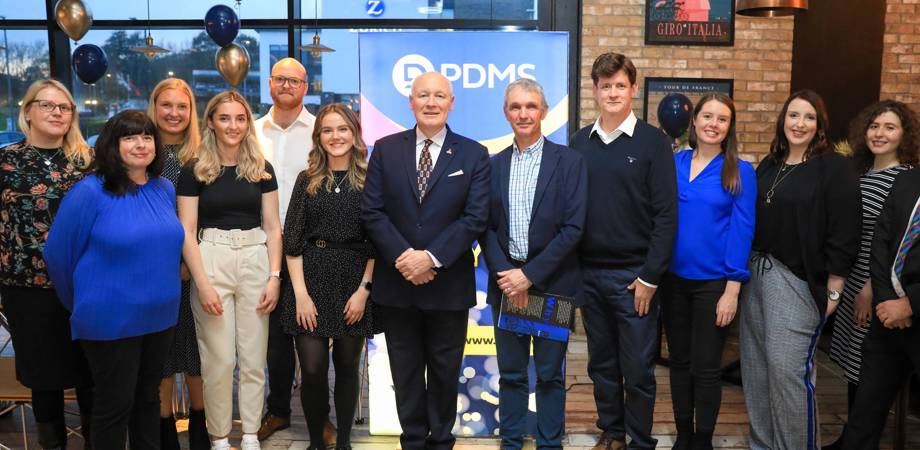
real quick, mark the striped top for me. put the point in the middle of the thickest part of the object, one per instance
(522, 186)
(846, 345)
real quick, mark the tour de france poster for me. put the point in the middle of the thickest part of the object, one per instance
(690, 22)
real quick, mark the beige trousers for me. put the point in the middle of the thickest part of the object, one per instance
(239, 273)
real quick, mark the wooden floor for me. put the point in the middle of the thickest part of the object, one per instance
(731, 432)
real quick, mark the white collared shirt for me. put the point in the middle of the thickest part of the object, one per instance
(287, 150)
(628, 126)
(434, 148)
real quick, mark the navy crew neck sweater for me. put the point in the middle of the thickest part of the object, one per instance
(632, 201)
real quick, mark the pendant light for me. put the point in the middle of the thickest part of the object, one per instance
(149, 50)
(770, 8)
(316, 48)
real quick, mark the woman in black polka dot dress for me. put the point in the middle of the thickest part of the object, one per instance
(330, 261)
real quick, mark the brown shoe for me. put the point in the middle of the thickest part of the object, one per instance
(330, 434)
(270, 424)
(607, 442)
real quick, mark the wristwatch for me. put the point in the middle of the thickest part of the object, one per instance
(367, 284)
(275, 274)
(833, 295)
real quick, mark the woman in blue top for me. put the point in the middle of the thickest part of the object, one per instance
(113, 255)
(716, 202)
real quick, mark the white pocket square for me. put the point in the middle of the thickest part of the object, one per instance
(455, 174)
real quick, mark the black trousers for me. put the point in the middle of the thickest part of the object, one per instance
(695, 345)
(417, 341)
(127, 375)
(889, 358)
(280, 360)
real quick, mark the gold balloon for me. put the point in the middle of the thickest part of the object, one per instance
(232, 62)
(73, 17)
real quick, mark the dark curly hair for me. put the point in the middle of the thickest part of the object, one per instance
(910, 138)
(779, 148)
(108, 163)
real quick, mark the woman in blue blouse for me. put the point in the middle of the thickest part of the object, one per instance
(716, 202)
(113, 255)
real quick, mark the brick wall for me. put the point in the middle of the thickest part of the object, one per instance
(760, 63)
(901, 58)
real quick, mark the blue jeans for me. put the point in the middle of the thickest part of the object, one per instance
(621, 349)
(513, 353)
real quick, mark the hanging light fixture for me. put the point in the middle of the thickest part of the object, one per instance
(771, 8)
(316, 48)
(149, 50)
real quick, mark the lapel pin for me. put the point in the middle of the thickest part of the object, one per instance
(450, 152)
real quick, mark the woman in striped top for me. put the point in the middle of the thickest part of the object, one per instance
(884, 138)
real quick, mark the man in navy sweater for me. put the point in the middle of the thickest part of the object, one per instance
(629, 231)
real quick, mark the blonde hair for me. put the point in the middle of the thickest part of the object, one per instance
(75, 148)
(318, 170)
(191, 139)
(251, 165)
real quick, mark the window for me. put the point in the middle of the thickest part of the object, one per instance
(183, 9)
(420, 9)
(24, 60)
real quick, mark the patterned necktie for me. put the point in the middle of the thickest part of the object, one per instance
(910, 238)
(424, 169)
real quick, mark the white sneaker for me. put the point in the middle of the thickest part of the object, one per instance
(220, 444)
(250, 442)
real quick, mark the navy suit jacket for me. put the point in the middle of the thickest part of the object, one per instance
(452, 215)
(556, 223)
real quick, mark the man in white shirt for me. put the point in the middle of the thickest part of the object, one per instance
(285, 135)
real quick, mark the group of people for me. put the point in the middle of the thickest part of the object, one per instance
(173, 248)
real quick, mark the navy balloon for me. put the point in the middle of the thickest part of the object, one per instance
(674, 113)
(90, 63)
(222, 24)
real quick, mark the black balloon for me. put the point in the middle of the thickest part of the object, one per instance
(90, 63)
(222, 24)
(674, 113)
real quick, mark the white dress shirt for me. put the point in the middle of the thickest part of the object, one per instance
(434, 148)
(287, 149)
(628, 126)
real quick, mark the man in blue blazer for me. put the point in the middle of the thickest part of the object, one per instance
(536, 217)
(425, 201)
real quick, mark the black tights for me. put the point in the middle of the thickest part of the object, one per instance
(313, 353)
(48, 404)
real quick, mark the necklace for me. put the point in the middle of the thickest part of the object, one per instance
(778, 179)
(47, 161)
(339, 183)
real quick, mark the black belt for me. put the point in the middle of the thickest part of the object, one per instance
(322, 243)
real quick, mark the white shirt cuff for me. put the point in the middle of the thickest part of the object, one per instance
(434, 260)
(647, 284)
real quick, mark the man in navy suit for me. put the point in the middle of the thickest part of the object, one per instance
(536, 217)
(425, 201)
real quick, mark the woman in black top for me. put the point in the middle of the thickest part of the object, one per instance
(330, 262)
(228, 205)
(34, 176)
(172, 108)
(805, 241)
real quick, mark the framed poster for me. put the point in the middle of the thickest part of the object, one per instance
(690, 22)
(694, 88)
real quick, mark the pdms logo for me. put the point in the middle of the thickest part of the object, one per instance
(472, 76)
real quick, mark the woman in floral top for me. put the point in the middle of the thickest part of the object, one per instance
(34, 176)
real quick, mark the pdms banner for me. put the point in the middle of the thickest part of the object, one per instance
(480, 65)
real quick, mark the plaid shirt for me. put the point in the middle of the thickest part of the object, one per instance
(525, 167)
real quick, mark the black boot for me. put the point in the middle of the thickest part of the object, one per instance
(169, 439)
(702, 440)
(197, 431)
(684, 435)
(86, 430)
(52, 435)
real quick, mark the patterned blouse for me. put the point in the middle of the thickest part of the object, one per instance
(33, 181)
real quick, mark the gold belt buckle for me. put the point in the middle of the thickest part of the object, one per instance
(320, 243)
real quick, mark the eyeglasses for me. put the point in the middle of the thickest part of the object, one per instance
(49, 107)
(292, 82)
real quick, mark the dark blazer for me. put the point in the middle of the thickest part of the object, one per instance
(556, 222)
(453, 214)
(889, 230)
